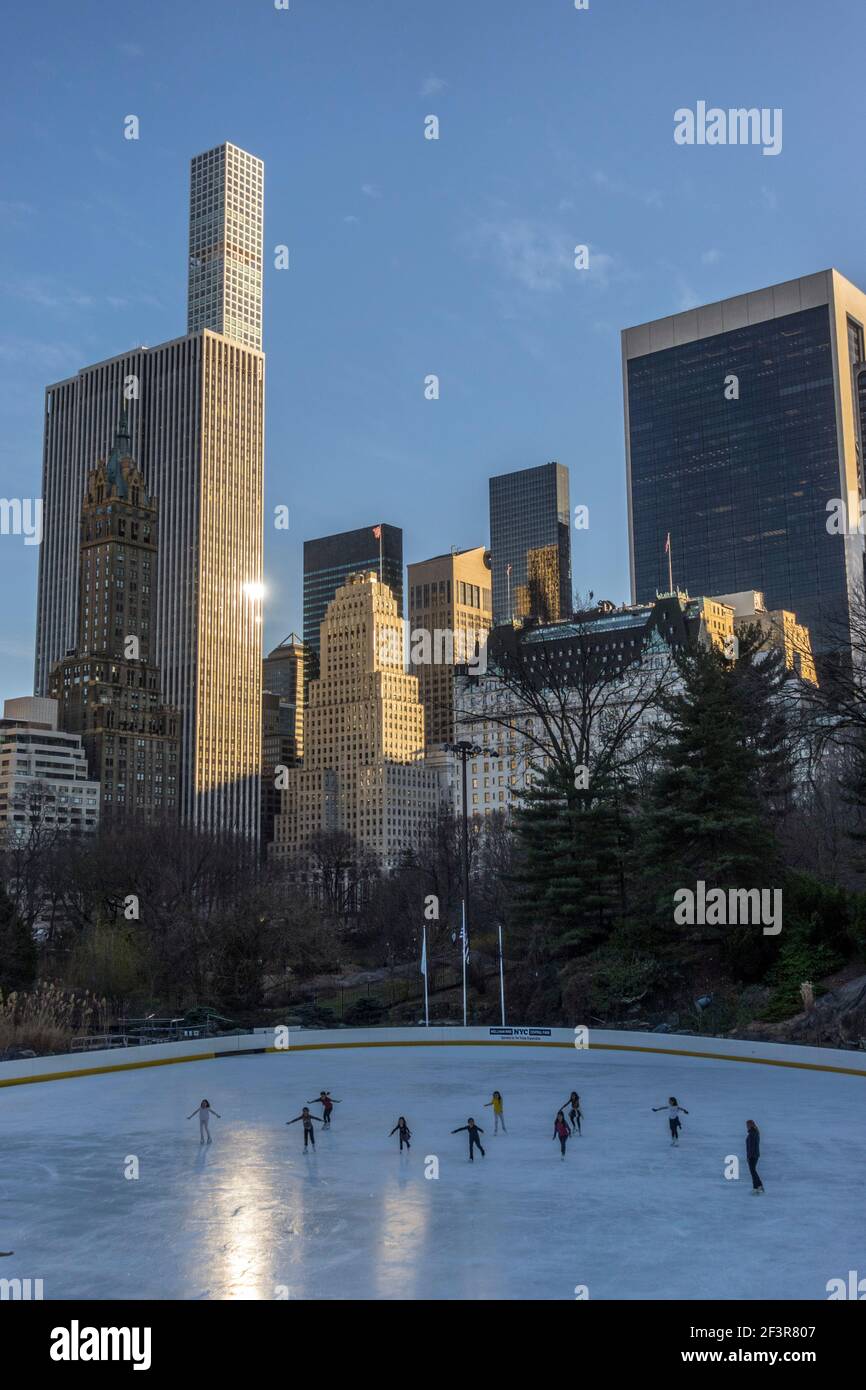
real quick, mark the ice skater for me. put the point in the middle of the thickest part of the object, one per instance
(309, 1132)
(575, 1114)
(498, 1112)
(404, 1131)
(753, 1153)
(324, 1099)
(204, 1112)
(474, 1142)
(561, 1131)
(674, 1111)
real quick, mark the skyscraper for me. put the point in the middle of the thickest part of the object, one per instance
(196, 422)
(282, 723)
(530, 543)
(743, 421)
(108, 689)
(449, 595)
(330, 560)
(225, 244)
(45, 787)
(364, 771)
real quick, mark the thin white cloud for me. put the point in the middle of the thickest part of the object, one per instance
(651, 198)
(539, 256)
(14, 213)
(370, 190)
(711, 257)
(431, 85)
(351, 218)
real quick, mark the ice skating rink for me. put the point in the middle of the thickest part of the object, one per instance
(253, 1217)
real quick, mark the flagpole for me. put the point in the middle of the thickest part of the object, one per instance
(670, 565)
(381, 580)
(501, 978)
(424, 973)
(463, 952)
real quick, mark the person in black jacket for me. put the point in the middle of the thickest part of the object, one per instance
(474, 1141)
(404, 1131)
(575, 1114)
(309, 1132)
(753, 1153)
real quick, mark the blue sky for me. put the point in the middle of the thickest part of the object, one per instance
(409, 256)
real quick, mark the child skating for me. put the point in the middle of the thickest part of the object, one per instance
(327, 1104)
(309, 1132)
(753, 1153)
(498, 1112)
(674, 1111)
(575, 1114)
(404, 1132)
(562, 1132)
(204, 1112)
(474, 1142)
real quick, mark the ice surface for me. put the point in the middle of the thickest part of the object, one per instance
(253, 1217)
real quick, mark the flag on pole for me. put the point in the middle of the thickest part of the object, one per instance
(377, 532)
(424, 956)
(464, 937)
(668, 544)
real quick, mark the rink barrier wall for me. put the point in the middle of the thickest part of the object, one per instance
(27, 1071)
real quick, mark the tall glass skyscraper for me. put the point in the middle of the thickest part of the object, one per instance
(530, 544)
(226, 199)
(196, 424)
(743, 422)
(328, 562)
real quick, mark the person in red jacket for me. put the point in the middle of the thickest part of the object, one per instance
(561, 1131)
(327, 1104)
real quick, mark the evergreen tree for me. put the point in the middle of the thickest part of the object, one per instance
(571, 842)
(18, 956)
(705, 817)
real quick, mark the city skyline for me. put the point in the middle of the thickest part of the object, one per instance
(195, 426)
(408, 257)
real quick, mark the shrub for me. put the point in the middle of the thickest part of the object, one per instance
(47, 1018)
(366, 1012)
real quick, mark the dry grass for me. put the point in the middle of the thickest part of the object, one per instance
(48, 1017)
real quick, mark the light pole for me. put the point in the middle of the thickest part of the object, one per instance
(465, 750)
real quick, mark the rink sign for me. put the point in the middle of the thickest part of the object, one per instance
(520, 1034)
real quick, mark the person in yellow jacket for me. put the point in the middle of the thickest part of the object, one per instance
(498, 1112)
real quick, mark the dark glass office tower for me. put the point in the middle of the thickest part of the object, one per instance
(530, 544)
(330, 560)
(742, 425)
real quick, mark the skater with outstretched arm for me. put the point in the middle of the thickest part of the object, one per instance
(309, 1132)
(404, 1131)
(474, 1142)
(498, 1112)
(575, 1114)
(753, 1153)
(674, 1111)
(204, 1113)
(327, 1104)
(561, 1131)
